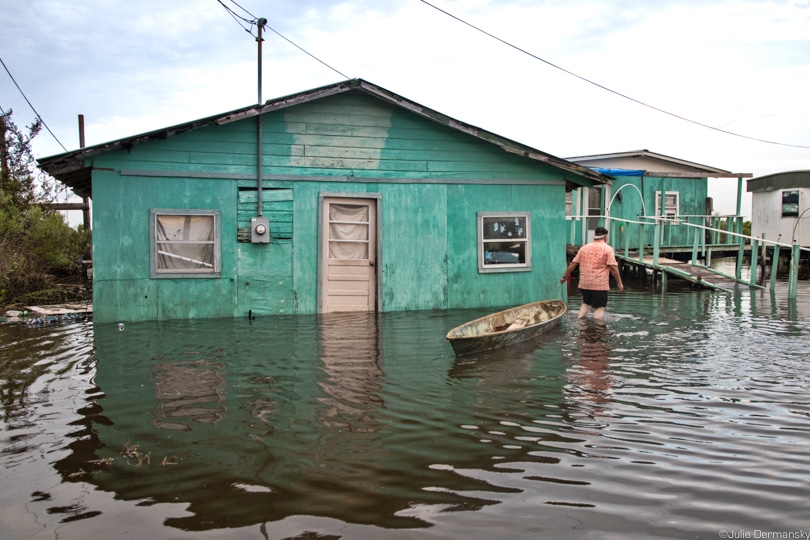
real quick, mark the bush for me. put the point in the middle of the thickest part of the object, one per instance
(39, 251)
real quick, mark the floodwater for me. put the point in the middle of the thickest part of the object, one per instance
(685, 415)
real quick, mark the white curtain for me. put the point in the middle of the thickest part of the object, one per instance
(184, 242)
(348, 231)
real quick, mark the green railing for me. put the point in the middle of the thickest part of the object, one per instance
(718, 237)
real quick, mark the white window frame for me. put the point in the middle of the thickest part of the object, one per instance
(791, 213)
(213, 269)
(521, 234)
(671, 211)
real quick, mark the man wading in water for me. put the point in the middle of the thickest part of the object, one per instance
(596, 263)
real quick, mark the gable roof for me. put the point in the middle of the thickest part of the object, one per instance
(70, 169)
(647, 163)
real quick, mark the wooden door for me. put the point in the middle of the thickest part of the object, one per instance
(348, 257)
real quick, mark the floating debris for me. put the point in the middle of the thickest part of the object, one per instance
(80, 472)
(131, 451)
(48, 315)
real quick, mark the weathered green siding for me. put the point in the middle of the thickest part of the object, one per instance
(122, 288)
(431, 181)
(415, 247)
(692, 202)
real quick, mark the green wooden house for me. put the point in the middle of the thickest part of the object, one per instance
(646, 186)
(346, 197)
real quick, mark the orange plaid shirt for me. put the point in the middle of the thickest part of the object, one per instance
(595, 260)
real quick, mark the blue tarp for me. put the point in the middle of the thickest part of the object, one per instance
(618, 172)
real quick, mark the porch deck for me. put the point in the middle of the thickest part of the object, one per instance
(697, 274)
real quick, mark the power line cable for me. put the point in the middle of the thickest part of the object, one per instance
(32, 106)
(308, 53)
(605, 87)
(238, 18)
(243, 9)
(254, 22)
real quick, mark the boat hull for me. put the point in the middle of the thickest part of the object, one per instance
(507, 327)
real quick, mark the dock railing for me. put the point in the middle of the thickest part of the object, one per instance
(717, 237)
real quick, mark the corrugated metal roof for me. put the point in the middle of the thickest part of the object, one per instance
(782, 180)
(70, 169)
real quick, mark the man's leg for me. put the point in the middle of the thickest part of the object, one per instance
(583, 310)
(599, 302)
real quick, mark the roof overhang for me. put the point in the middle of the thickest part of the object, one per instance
(782, 180)
(72, 169)
(683, 168)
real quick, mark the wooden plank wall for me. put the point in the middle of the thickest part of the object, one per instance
(693, 193)
(431, 180)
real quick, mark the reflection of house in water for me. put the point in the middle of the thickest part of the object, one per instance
(188, 392)
(349, 351)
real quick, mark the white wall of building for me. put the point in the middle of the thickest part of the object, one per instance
(767, 217)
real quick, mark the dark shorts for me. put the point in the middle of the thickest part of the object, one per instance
(595, 299)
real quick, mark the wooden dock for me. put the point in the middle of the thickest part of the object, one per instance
(697, 274)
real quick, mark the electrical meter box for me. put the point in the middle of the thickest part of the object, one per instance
(259, 230)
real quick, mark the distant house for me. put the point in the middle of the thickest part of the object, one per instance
(779, 207)
(649, 184)
(345, 197)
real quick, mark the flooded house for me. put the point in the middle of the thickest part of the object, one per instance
(779, 207)
(346, 197)
(647, 186)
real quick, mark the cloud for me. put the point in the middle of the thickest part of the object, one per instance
(742, 66)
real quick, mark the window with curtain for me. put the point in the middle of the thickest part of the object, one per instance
(671, 204)
(504, 242)
(185, 243)
(348, 231)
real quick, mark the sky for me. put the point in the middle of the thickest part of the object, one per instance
(700, 80)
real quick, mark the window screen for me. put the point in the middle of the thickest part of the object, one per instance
(504, 242)
(185, 243)
(790, 203)
(671, 204)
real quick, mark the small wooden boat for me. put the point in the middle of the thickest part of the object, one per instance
(506, 327)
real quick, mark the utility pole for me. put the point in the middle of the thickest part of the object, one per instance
(85, 199)
(261, 23)
(260, 225)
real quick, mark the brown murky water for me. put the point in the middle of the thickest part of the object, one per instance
(686, 414)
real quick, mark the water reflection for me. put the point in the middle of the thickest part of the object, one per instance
(590, 377)
(683, 413)
(187, 392)
(276, 423)
(349, 350)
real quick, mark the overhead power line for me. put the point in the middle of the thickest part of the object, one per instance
(254, 21)
(243, 9)
(306, 52)
(32, 106)
(239, 19)
(679, 117)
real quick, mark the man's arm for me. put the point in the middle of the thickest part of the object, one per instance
(571, 268)
(614, 271)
